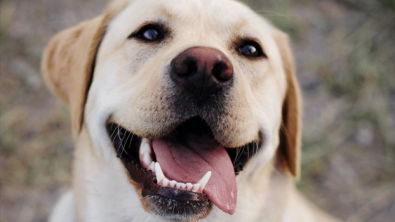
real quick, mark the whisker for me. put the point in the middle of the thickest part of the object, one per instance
(237, 153)
(112, 134)
(241, 153)
(255, 148)
(127, 140)
(123, 147)
(119, 139)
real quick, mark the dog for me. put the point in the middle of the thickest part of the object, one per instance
(182, 110)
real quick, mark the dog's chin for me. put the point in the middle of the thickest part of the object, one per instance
(168, 203)
(170, 189)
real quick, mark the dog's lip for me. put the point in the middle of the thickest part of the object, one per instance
(239, 154)
(146, 178)
(258, 141)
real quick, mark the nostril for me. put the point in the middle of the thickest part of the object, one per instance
(185, 66)
(222, 72)
(217, 71)
(201, 71)
(191, 65)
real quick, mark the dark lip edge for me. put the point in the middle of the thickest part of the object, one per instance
(128, 161)
(148, 183)
(258, 141)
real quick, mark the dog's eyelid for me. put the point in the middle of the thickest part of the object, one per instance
(248, 43)
(158, 27)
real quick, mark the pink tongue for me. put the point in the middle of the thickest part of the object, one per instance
(190, 159)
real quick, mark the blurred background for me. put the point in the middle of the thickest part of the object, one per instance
(345, 52)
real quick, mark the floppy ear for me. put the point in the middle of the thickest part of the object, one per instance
(68, 62)
(290, 133)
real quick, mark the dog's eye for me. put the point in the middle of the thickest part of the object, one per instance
(251, 49)
(150, 33)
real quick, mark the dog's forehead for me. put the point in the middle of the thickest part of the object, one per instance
(219, 15)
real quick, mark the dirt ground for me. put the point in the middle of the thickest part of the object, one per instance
(345, 52)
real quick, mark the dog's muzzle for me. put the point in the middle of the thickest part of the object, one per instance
(183, 171)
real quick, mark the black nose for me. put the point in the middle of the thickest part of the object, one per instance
(201, 71)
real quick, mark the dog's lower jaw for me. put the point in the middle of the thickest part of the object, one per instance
(103, 192)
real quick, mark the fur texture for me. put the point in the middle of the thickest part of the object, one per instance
(103, 75)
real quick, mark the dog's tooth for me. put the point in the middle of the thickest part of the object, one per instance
(183, 186)
(178, 185)
(147, 159)
(145, 147)
(173, 183)
(189, 186)
(152, 167)
(202, 182)
(159, 173)
(165, 182)
(196, 187)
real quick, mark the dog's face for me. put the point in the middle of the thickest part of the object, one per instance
(186, 94)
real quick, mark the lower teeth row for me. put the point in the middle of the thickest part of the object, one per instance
(148, 163)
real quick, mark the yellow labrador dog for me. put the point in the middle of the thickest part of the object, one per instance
(182, 110)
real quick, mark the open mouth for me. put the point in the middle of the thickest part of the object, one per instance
(186, 171)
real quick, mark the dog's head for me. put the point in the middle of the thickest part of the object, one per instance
(186, 94)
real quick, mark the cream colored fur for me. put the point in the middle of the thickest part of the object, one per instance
(129, 78)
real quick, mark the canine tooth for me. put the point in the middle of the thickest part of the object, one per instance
(165, 182)
(152, 167)
(183, 186)
(144, 147)
(147, 159)
(202, 182)
(196, 187)
(159, 173)
(173, 183)
(189, 186)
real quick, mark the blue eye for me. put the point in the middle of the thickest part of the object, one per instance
(150, 33)
(251, 49)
